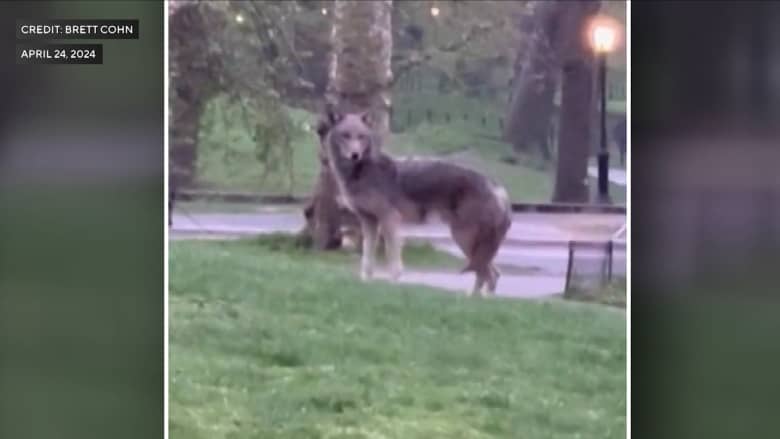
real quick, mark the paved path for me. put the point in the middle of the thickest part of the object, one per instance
(525, 226)
(514, 286)
(529, 270)
(616, 176)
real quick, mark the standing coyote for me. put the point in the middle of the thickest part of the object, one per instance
(383, 192)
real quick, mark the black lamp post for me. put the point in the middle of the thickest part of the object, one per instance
(435, 11)
(603, 40)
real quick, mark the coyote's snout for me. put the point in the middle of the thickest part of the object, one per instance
(383, 192)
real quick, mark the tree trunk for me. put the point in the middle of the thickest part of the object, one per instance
(192, 83)
(184, 139)
(359, 79)
(574, 140)
(531, 109)
(184, 129)
(360, 72)
(326, 225)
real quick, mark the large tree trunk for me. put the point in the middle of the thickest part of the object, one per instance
(184, 127)
(359, 79)
(576, 101)
(323, 214)
(360, 73)
(531, 109)
(574, 142)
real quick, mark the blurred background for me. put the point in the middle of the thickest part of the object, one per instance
(81, 232)
(705, 218)
(475, 82)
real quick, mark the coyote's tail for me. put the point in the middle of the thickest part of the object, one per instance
(491, 235)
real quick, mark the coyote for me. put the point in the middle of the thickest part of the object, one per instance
(385, 192)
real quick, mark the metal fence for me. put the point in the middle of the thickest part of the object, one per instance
(594, 265)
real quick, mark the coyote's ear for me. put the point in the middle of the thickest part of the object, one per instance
(368, 118)
(332, 115)
(322, 129)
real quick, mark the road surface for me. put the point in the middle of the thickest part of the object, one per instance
(534, 258)
(616, 176)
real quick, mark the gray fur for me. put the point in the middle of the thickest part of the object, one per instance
(385, 192)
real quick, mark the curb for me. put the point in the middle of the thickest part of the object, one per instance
(249, 197)
(568, 208)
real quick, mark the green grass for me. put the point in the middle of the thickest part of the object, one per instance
(616, 107)
(613, 294)
(215, 206)
(205, 206)
(273, 342)
(416, 254)
(458, 106)
(474, 148)
(467, 142)
(244, 172)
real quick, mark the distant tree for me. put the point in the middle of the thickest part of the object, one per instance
(532, 108)
(242, 50)
(465, 45)
(193, 74)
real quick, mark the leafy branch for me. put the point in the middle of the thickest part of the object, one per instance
(404, 64)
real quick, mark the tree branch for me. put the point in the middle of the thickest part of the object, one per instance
(259, 10)
(417, 58)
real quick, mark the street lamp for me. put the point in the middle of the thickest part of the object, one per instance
(435, 11)
(602, 38)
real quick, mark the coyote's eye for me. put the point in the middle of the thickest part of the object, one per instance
(361, 137)
(346, 135)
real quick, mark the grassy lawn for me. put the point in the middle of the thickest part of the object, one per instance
(267, 341)
(243, 171)
(474, 148)
(614, 294)
(416, 254)
(467, 142)
(461, 107)
(215, 206)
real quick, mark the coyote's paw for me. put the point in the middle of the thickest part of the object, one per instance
(395, 272)
(366, 274)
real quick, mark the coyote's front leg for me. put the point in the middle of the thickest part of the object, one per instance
(369, 231)
(391, 231)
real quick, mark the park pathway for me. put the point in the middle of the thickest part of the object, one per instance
(616, 176)
(533, 259)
